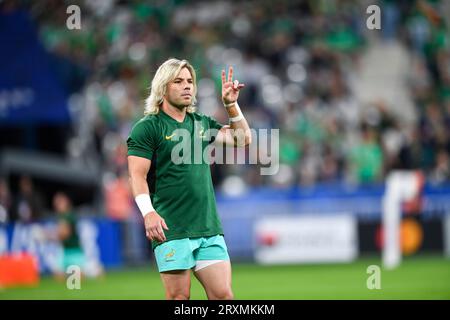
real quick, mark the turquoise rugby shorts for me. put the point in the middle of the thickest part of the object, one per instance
(184, 254)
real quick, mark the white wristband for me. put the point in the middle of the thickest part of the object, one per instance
(240, 116)
(237, 118)
(229, 105)
(144, 203)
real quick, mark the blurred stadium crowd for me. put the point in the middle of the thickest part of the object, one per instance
(300, 61)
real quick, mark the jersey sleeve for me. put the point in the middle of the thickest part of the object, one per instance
(142, 141)
(213, 124)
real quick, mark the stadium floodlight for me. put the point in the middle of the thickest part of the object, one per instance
(401, 186)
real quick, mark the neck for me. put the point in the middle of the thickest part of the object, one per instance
(176, 113)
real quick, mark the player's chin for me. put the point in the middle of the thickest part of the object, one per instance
(181, 106)
(184, 103)
(186, 100)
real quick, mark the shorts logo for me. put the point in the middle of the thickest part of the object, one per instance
(169, 256)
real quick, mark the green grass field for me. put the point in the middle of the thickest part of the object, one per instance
(416, 278)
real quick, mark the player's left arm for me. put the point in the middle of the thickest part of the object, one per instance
(238, 133)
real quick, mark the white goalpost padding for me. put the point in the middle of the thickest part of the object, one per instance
(401, 186)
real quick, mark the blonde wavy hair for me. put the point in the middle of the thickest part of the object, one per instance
(167, 72)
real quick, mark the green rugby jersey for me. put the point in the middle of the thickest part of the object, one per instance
(73, 241)
(181, 193)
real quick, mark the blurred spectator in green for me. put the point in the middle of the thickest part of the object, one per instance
(67, 233)
(366, 158)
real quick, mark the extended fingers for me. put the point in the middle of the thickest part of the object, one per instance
(223, 77)
(230, 74)
(235, 85)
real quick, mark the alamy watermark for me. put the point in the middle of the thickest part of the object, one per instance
(263, 150)
(73, 281)
(374, 280)
(74, 20)
(374, 20)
